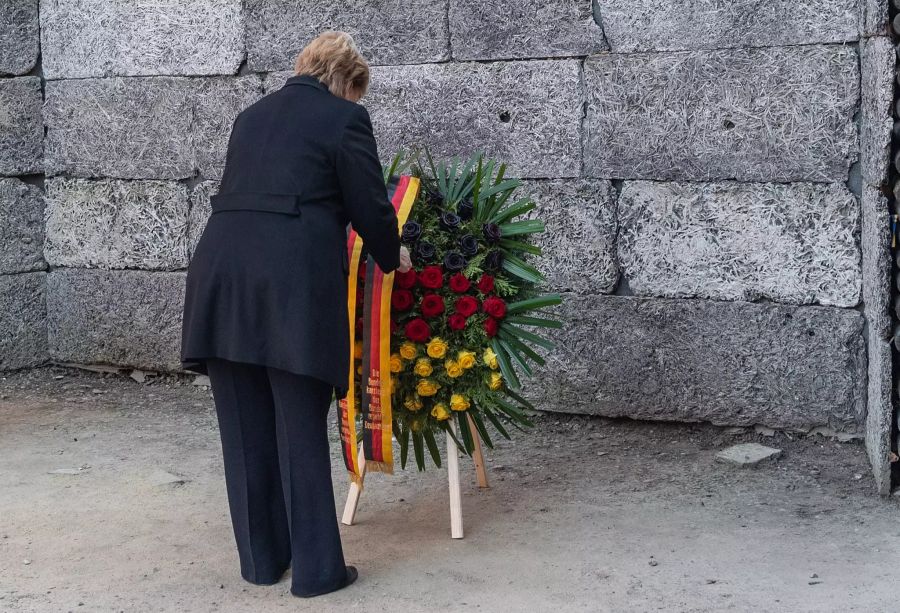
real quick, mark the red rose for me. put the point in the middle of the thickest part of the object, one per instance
(402, 299)
(494, 306)
(491, 326)
(393, 326)
(459, 283)
(359, 324)
(432, 305)
(417, 330)
(362, 270)
(431, 277)
(405, 279)
(486, 284)
(456, 321)
(466, 305)
(360, 297)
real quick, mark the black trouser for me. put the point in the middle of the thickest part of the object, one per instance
(278, 474)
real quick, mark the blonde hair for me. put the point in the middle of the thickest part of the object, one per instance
(334, 59)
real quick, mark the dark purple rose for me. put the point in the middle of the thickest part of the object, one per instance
(465, 209)
(491, 232)
(433, 198)
(449, 220)
(423, 252)
(454, 261)
(411, 232)
(494, 260)
(468, 244)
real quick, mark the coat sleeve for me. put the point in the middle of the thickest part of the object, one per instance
(364, 193)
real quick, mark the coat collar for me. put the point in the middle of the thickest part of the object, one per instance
(306, 79)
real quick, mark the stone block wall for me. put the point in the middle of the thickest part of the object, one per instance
(712, 175)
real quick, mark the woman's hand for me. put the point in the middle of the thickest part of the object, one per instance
(405, 261)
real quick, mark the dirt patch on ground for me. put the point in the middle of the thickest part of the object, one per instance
(113, 500)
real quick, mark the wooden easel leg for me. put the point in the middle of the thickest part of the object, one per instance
(456, 522)
(354, 493)
(477, 455)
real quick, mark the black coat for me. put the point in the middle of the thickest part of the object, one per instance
(267, 283)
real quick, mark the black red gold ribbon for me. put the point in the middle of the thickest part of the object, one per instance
(375, 381)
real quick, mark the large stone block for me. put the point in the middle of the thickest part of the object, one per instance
(21, 227)
(21, 129)
(879, 412)
(666, 25)
(387, 32)
(218, 102)
(120, 128)
(126, 318)
(97, 38)
(23, 320)
(794, 243)
(525, 113)
(874, 18)
(775, 114)
(876, 261)
(877, 60)
(729, 363)
(201, 209)
(580, 242)
(504, 29)
(117, 224)
(19, 36)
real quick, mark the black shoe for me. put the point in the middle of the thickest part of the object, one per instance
(352, 575)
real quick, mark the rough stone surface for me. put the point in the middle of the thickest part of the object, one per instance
(580, 242)
(516, 29)
(387, 32)
(874, 19)
(775, 114)
(117, 224)
(729, 363)
(19, 36)
(200, 211)
(21, 129)
(877, 58)
(876, 261)
(120, 128)
(793, 243)
(218, 102)
(96, 38)
(747, 454)
(879, 411)
(126, 318)
(21, 227)
(526, 113)
(23, 320)
(666, 25)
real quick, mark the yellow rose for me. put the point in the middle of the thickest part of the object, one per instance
(437, 347)
(423, 367)
(396, 363)
(440, 412)
(453, 368)
(394, 383)
(466, 359)
(408, 350)
(496, 381)
(357, 350)
(427, 387)
(359, 369)
(413, 403)
(490, 359)
(458, 402)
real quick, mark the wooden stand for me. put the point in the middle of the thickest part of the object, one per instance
(456, 521)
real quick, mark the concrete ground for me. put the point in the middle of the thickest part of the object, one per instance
(584, 514)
